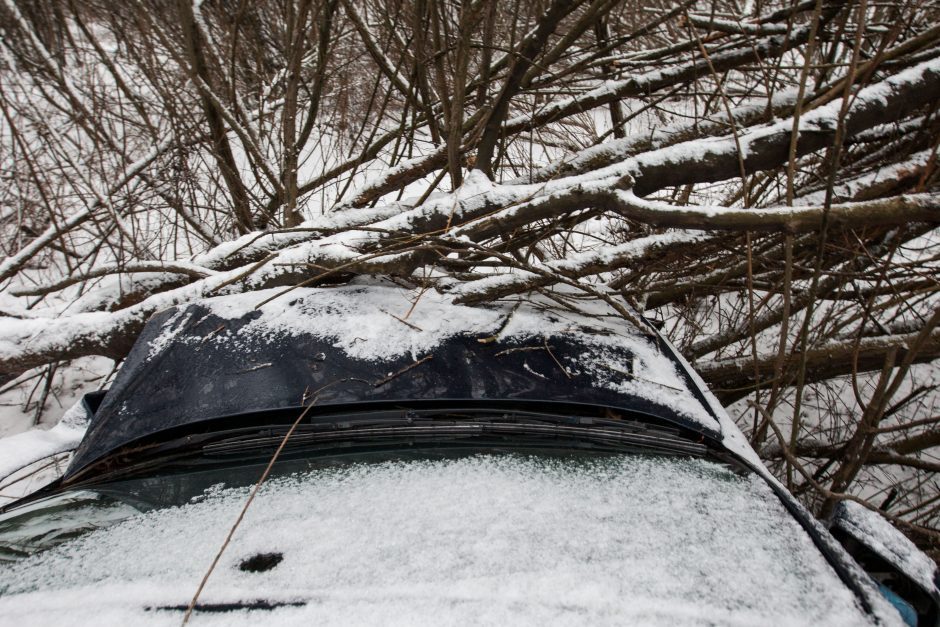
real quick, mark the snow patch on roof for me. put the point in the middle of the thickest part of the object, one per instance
(366, 322)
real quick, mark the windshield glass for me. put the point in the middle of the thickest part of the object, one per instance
(480, 538)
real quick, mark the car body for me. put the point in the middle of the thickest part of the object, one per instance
(523, 463)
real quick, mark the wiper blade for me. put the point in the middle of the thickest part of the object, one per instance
(259, 604)
(387, 428)
(429, 431)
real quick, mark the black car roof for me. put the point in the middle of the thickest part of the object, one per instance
(353, 345)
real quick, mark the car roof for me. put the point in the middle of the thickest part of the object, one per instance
(379, 345)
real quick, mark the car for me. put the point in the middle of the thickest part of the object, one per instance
(367, 453)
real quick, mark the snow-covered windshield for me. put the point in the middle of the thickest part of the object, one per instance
(504, 539)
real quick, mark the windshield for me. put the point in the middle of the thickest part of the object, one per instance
(497, 538)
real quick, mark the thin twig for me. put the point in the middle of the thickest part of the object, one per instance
(251, 498)
(555, 359)
(395, 375)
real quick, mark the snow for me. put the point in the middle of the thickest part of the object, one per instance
(381, 178)
(847, 190)
(612, 257)
(363, 323)
(732, 26)
(361, 319)
(878, 534)
(822, 118)
(109, 291)
(493, 282)
(487, 539)
(633, 248)
(656, 138)
(22, 449)
(19, 454)
(173, 327)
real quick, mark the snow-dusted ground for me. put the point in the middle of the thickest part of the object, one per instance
(30, 459)
(482, 540)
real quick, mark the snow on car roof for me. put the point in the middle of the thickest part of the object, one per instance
(487, 539)
(370, 342)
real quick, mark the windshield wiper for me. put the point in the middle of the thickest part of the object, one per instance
(324, 434)
(428, 431)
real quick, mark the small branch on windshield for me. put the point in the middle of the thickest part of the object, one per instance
(254, 492)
